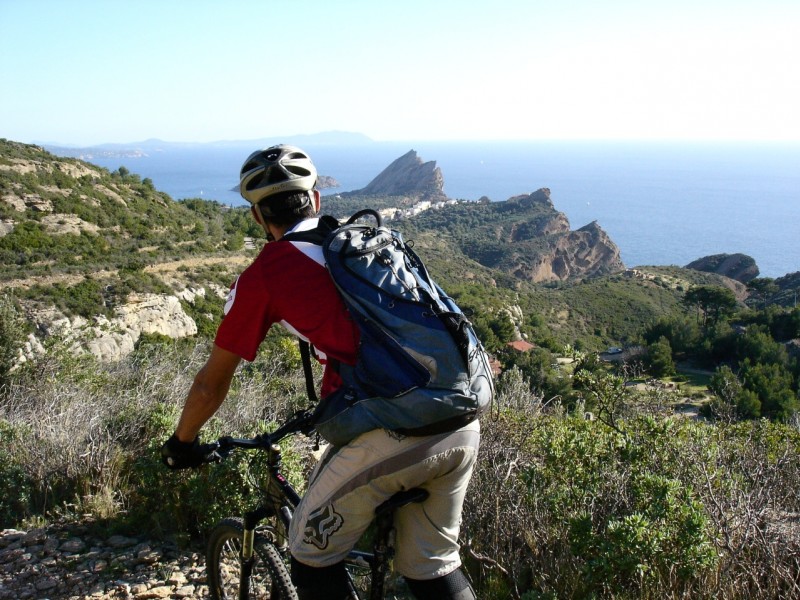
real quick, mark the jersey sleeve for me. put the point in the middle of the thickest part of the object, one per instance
(246, 320)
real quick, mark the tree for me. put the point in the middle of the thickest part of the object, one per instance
(731, 398)
(682, 333)
(762, 287)
(503, 326)
(605, 394)
(714, 302)
(773, 385)
(659, 358)
(758, 346)
(785, 325)
(12, 334)
(486, 334)
(235, 241)
(536, 367)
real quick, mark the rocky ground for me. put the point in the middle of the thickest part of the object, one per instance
(71, 562)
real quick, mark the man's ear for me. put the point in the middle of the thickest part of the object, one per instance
(256, 214)
(317, 200)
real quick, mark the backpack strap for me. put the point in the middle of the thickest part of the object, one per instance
(317, 235)
(363, 213)
(305, 355)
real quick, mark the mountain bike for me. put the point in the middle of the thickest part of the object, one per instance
(246, 558)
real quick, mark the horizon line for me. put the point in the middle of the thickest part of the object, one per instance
(366, 140)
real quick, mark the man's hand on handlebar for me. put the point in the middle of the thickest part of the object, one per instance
(176, 454)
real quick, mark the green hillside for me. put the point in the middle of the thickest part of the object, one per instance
(67, 223)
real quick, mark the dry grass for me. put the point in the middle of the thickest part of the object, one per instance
(81, 423)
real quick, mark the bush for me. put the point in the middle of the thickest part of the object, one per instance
(562, 507)
(665, 537)
(15, 485)
(94, 430)
(190, 501)
(12, 331)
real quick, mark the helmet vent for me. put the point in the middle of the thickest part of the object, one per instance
(295, 170)
(274, 176)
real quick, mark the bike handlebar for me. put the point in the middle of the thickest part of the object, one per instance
(300, 422)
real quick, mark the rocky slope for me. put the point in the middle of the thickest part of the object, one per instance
(99, 258)
(407, 176)
(115, 337)
(562, 253)
(587, 252)
(526, 236)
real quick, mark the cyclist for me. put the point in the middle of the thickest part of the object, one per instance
(288, 284)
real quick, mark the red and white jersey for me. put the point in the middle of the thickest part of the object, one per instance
(288, 284)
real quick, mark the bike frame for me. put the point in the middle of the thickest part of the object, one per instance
(278, 504)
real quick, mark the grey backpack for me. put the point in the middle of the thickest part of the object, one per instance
(420, 368)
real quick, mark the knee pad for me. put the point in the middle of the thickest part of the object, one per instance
(320, 583)
(453, 586)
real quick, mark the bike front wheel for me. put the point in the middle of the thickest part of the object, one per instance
(269, 579)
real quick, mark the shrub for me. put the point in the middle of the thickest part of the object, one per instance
(12, 331)
(664, 537)
(562, 507)
(194, 500)
(15, 485)
(93, 432)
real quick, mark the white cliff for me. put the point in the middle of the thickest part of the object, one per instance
(111, 339)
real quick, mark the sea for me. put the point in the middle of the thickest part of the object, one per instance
(662, 203)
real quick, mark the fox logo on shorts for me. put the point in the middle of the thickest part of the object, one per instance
(321, 524)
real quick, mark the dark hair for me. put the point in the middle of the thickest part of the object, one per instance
(287, 208)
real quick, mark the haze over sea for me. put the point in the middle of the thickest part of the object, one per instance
(665, 203)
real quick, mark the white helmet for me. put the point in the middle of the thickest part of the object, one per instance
(276, 170)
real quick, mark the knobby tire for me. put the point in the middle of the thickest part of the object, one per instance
(270, 578)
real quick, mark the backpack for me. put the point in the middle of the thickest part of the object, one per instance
(420, 368)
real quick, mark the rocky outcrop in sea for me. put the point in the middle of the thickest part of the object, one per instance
(407, 176)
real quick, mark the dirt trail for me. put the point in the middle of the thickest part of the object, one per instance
(65, 278)
(159, 268)
(172, 266)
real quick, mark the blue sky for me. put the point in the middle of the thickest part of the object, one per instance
(82, 71)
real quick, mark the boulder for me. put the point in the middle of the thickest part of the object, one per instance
(115, 338)
(111, 339)
(740, 267)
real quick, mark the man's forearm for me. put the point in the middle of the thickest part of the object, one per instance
(208, 391)
(201, 404)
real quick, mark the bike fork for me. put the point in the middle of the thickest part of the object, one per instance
(247, 562)
(248, 558)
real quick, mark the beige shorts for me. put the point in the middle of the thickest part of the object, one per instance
(350, 482)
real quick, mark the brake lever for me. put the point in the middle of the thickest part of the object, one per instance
(214, 452)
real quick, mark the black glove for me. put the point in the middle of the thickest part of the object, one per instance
(182, 455)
